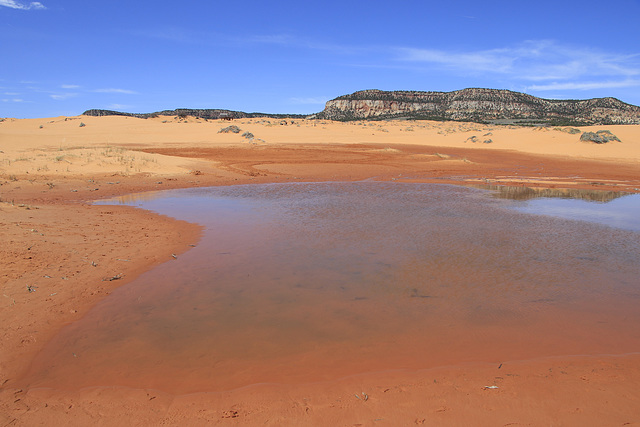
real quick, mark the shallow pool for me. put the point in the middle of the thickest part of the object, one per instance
(297, 283)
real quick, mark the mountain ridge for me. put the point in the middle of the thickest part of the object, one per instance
(203, 113)
(478, 105)
(470, 105)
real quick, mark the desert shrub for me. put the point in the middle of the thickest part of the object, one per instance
(599, 137)
(230, 129)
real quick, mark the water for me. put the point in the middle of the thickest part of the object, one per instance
(297, 283)
(623, 212)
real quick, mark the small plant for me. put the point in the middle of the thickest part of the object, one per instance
(599, 137)
(230, 129)
(82, 124)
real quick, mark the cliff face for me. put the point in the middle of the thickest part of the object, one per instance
(478, 105)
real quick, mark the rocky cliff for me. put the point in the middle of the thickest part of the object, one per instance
(480, 105)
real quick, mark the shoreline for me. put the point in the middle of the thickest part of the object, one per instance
(563, 390)
(52, 231)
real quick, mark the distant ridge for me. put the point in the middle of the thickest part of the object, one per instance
(469, 105)
(209, 114)
(478, 105)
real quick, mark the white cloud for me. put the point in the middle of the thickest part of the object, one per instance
(118, 107)
(69, 86)
(63, 96)
(538, 60)
(14, 100)
(23, 6)
(488, 60)
(584, 85)
(113, 90)
(282, 39)
(305, 101)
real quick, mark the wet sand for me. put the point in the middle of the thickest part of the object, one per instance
(53, 232)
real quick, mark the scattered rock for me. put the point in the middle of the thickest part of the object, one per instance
(230, 129)
(599, 137)
(248, 135)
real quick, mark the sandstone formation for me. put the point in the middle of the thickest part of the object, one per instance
(474, 105)
(479, 105)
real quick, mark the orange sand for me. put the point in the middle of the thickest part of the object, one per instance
(50, 168)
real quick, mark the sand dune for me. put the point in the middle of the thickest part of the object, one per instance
(61, 255)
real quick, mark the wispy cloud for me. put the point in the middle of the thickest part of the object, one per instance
(118, 107)
(69, 86)
(244, 39)
(296, 42)
(541, 60)
(585, 85)
(281, 39)
(309, 101)
(14, 100)
(115, 90)
(20, 5)
(62, 96)
(488, 60)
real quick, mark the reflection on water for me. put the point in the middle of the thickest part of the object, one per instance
(623, 212)
(528, 193)
(308, 282)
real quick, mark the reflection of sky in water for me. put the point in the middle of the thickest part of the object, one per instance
(308, 282)
(623, 212)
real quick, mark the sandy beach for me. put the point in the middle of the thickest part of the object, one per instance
(61, 255)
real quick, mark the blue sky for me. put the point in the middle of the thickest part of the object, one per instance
(63, 57)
